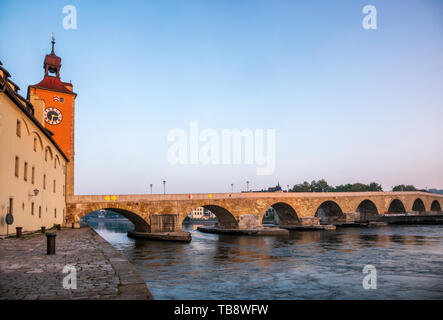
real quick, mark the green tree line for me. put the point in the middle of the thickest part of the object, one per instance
(323, 186)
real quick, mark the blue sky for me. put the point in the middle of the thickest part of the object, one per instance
(347, 104)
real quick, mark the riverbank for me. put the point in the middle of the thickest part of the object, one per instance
(103, 273)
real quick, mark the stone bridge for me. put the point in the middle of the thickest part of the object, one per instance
(165, 213)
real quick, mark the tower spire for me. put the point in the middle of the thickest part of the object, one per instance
(53, 42)
(52, 63)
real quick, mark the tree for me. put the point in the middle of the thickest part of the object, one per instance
(375, 187)
(343, 188)
(359, 187)
(436, 191)
(302, 187)
(402, 187)
(323, 186)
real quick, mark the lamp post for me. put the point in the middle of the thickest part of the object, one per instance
(151, 187)
(232, 188)
(247, 186)
(164, 187)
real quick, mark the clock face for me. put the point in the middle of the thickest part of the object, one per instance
(53, 116)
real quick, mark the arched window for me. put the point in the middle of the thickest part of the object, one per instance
(19, 129)
(48, 154)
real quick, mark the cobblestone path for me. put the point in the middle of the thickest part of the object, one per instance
(26, 272)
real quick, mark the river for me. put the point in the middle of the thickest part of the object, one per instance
(305, 265)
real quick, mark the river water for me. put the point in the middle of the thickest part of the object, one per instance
(305, 265)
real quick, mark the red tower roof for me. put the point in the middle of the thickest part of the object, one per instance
(52, 65)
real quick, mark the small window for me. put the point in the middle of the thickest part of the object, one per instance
(32, 208)
(39, 211)
(35, 144)
(33, 175)
(11, 205)
(55, 163)
(25, 172)
(19, 128)
(46, 154)
(44, 181)
(17, 163)
(53, 187)
(55, 213)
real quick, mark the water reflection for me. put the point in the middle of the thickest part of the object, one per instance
(305, 265)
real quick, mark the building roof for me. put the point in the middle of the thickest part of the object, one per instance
(25, 106)
(53, 84)
(52, 64)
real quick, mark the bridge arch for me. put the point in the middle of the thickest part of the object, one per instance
(329, 212)
(140, 225)
(226, 219)
(396, 206)
(435, 206)
(367, 209)
(286, 214)
(418, 205)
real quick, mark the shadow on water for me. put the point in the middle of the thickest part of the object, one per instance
(305, 265)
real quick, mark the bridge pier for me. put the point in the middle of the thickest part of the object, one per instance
(249, 221)
(166, 227)
(309, 221)
(352, 217)
(166, 223)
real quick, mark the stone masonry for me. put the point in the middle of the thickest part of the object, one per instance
(164, 213)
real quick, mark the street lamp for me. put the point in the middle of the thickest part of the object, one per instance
(232, 188)
(247, 186)
(164, 187)
(151, 187)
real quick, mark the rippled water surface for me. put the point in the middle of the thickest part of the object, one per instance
(305, 265)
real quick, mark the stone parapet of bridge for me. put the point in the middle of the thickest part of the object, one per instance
(246, 210)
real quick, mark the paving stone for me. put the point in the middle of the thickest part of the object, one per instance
(26, 272)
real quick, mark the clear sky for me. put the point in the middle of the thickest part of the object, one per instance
(348, 104)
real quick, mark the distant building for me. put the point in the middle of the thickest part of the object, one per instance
(201, 213)
(277, 188)
(208, 215)
(197, 213)
(270, 213)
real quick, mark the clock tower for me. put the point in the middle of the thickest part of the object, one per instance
(54, 103)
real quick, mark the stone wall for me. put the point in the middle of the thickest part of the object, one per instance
(150, 213)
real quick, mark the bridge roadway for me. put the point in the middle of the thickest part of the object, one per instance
(165, 213)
